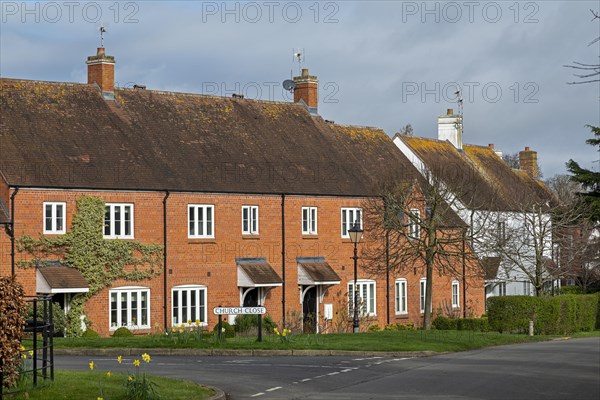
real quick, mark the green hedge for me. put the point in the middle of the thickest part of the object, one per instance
(461, 324)
(556, 315)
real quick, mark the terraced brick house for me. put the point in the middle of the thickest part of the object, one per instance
(248, 203)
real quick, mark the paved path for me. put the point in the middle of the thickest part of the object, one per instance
(566, 369)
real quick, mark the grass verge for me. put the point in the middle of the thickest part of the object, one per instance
(439, 341)
(79, 385)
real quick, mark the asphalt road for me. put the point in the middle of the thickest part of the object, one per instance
(565, 369)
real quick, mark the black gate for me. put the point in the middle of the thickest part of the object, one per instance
(37, 351)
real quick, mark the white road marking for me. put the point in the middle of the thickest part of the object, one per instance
(320, 376)
(257, 394)
(273, 389)
(333, 373)
(306, 380)
(347, 370)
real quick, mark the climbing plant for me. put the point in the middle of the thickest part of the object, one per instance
(101, 261)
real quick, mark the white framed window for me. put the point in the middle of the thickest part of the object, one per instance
(188, 305)
(502, 289)
(414, 224)
(309, 220)
(349, 216)
(455, 294)
(422, 294)
(250, 220)
(130, 307)
(118, 221)
(201, 221)
(366, 297)
(401, 307)
(54, 217)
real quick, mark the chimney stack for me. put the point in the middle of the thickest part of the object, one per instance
(450, 128)
(101, 70)
(307, 91)
(497, 152)
(528, 162)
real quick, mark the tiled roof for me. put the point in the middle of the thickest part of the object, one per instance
(490, 267)
(319, 271)
(62, 277)
(4, 219)
(67, 135)
(260, 272)
(479, 178)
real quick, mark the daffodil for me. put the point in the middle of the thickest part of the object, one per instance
(146, 357)
(129, 378)
(30, 353)
(189, 321)
(197, 322)
(24, 356)
(22, 348)
(108, 374)
(100, 398)
(136, 363)
(284, 333)
(92, 365)
(120, 359)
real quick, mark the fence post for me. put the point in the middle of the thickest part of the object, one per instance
(34, 342)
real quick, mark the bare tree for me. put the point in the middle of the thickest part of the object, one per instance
(421, 231)
(587, 72)
(564, 188)
(577, 254)
(512, 159)
(407, 130)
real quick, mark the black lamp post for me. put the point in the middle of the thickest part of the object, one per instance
(355, 234)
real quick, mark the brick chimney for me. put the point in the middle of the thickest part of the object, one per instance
(498, 152)
(101, 70)
(307, 91)
(528, 162)
(450, 128)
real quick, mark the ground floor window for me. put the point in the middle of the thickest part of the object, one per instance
(422, 294)
(455, 295)
(189, 305)
(366, 297)
(129, 306)
(502, 289)
(401, 307)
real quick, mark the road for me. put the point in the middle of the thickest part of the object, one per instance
(563, 369)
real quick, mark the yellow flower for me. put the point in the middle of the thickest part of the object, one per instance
(129, 378)
(92, 365)
(146, 357)
(189, 321)
(24, 356)
(197, 322)
(22, 347)
(136, 363)
(30, 353)
(284, 333)
(108, 374)
(120, 359)
(100, 398)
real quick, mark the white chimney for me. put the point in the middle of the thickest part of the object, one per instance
(450, 128)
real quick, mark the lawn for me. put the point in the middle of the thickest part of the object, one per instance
(409, 340)
(78, 385)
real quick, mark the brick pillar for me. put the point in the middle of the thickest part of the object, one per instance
(101, 70)
(528, 162)
(307, 90)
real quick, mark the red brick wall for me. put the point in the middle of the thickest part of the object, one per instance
(211, 262)
(103, 75)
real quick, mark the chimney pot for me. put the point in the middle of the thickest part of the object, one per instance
(100, 51)
(491, 146)
(449, 112)
(526, 148)
(305, 72)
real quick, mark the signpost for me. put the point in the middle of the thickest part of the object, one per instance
(258, 311)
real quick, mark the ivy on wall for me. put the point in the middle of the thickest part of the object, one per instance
(101, 261)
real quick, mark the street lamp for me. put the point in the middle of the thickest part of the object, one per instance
(355, 234)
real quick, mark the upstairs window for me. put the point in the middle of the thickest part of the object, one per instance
(54, 218)
(200, 221)
(349, 216)
(414, 226)
(309, 220)
(250, 220)
(118, 221)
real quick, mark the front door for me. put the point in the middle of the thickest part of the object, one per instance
(309, 310)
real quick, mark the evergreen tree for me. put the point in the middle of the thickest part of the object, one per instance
(589, 180)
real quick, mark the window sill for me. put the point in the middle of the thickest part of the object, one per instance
(57, 233)
(309, 236)
(250, 236)
(202, 241)
(118, 237)
(130, 327)
(402, 315)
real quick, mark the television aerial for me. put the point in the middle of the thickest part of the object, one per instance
(299, 56)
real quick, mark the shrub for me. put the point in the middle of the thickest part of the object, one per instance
(12, 308)
(374, 328)
(247, 322)
(444, 323)
(473, 324)
(58, 316)
(90, 333)
(122, 332)
(229, 331)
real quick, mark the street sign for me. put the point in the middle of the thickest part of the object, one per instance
(239, 310)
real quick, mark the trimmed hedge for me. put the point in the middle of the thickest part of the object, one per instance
(558, 315)
(461, 324)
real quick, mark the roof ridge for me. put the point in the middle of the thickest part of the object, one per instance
(58, 83)
(358, 126)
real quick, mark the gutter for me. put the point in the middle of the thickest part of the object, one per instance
(11, 231)
(167, 194)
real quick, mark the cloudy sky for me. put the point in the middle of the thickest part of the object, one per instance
(379, 63)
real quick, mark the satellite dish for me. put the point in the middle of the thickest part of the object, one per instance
(289, 84)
